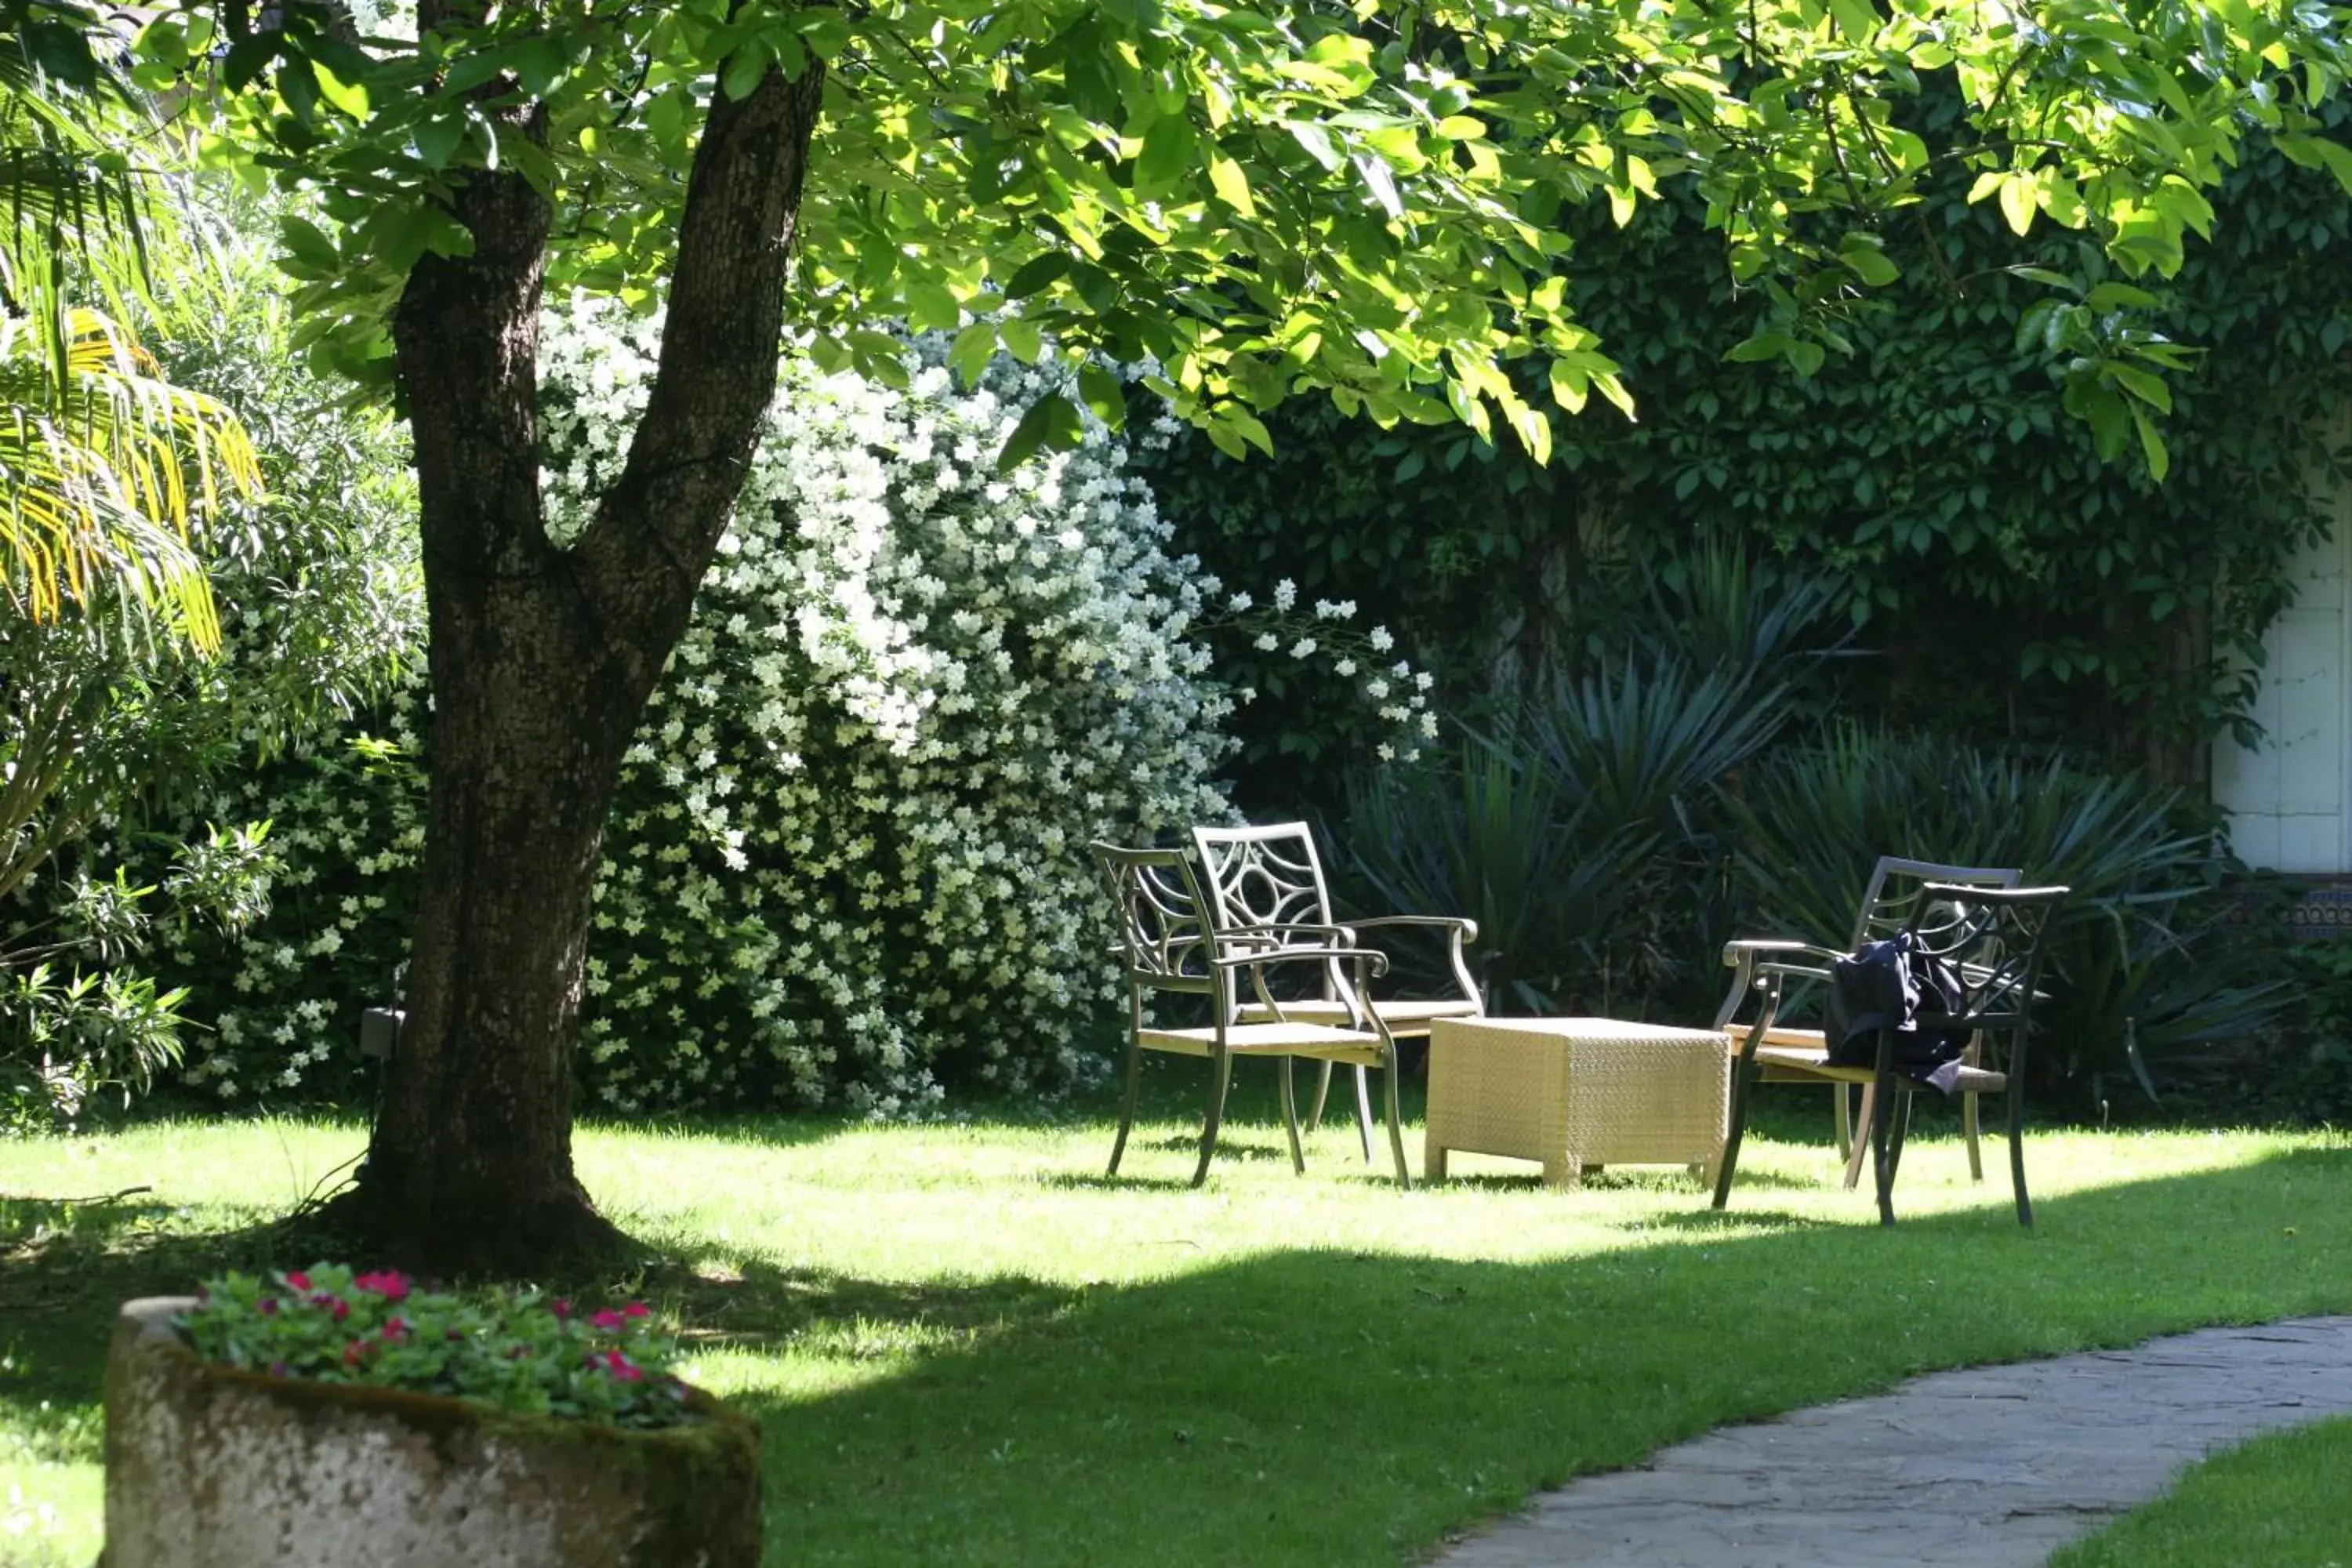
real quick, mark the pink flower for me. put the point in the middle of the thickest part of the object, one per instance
(636, 1310)
(336, 1305)
(560, 1306)
(623, 1369)
(607, 1320)
(389, 1283)
(355, 1353)
(297, 1279)
(394, 1327)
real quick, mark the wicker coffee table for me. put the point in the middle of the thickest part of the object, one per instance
(1573, 1092)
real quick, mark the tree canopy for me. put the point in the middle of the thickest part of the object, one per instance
(1361, 198)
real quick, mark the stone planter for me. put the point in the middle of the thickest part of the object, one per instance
(208, 1467)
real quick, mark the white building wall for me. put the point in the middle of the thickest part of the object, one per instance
(2289, 796)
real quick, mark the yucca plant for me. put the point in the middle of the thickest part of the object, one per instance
(1486, 834)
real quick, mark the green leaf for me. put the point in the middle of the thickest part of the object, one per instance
(239, 67)
(1870, 265)
(1166, 155)
(1021, 337)
(745, 68)
(973, 349)
(2159, 461)
(1318, 141)
(436, 138)
(1035, 274)
(1103, 395)
(309, 244)
(1051, 421)
(1232, 185)
(2017, 201)
(2146, 386)
(932, 307)
(1857, 19)
(1769, 344)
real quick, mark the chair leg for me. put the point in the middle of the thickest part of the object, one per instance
(1127, 1101)
(1322, 1091)
(1844, 1124)
(2017, 1153)
(1364, 1106)
(1972, 1123)
(1290, 1118)
(1396, 1132)
(1743, 1078)
(1899, 1111)
(1220, 1079)
(1882, 1132)
(1865, 1117)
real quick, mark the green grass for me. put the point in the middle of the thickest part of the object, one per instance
(2279, 1502)
(966, 1346)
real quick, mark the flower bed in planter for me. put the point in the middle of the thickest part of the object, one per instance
(323, 1417)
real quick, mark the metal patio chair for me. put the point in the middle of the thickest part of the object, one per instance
(1992, 937)
(1887, 903)
(1270, 875)
(1175, 944)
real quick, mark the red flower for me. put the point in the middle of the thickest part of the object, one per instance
(355, 1353)
(607, 1320)
(267, 1306)
(636, 1310)
(336, 1305)
(560, 1306)
(390, 1283)
(297, 1279)
(623, 1369)
(394, 1327)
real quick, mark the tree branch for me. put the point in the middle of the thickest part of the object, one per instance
(644, 552)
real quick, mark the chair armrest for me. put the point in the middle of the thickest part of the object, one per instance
(1457, 932)
(1467, 928)
(1795, 971)
(1746, 956)
(1278, 933)
(1372, 958)
(1759, 946)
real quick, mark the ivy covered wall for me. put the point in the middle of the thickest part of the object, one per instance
(2007, 581)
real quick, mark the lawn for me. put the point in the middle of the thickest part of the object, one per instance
(967, 1346)
(2278, 1503)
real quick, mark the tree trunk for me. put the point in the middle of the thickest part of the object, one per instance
(542, 660)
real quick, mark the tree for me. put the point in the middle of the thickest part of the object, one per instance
(1358, 198)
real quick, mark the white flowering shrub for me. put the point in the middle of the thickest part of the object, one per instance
(847, 862)
(848, 855)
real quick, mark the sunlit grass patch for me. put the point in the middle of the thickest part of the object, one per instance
(967, 1345)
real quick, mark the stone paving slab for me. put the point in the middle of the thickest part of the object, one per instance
(1994, 1467)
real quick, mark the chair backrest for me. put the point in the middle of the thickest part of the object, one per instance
(1264, 876)
(1163, 922)
(1270, 876)
(1893, 896)
(1993, 941)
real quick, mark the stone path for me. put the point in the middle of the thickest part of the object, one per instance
(1993, 1467)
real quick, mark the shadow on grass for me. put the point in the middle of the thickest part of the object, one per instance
(65, 1269)
(1334, 1406)
(1345, 1408)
